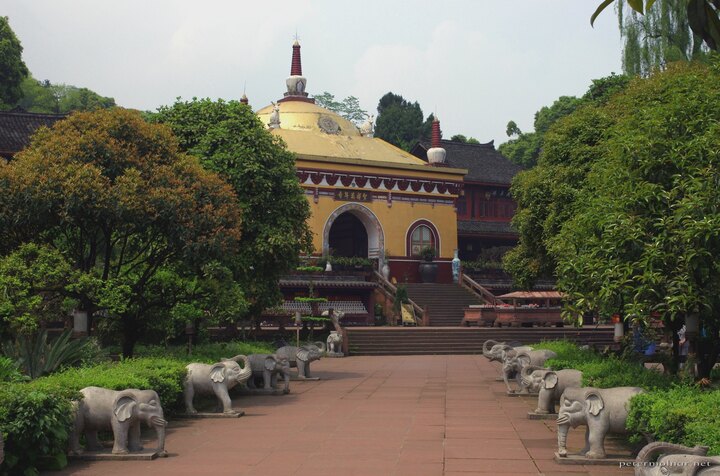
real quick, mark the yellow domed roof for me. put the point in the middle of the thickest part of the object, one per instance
(306, 116)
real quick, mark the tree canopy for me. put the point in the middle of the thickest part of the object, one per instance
(665, 32)
(349, 108)
(400, 122)
(622, 206)
(230, 140)
(104, 201)
(12, 67)
(45, 97)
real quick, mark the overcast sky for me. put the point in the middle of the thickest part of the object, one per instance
(477, 63)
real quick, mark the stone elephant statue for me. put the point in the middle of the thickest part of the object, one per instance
(122, 412)
(552, 387)
(675, 459)
(531, 378)
(301, 357)
(603, 411)
(216, 379)
(515, 361)
(493, 350)
(269, 367)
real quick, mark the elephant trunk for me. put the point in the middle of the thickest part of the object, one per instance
(487, 345)
(526, 373)
(652, 450)
(246, 372)
(545, 403)
(321, 345)
(160, 431)
(562, 431)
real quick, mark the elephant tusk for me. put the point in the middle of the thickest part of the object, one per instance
(157, 421)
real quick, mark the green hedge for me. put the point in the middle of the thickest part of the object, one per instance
(604, 371)
(683, 414)
(206, 353)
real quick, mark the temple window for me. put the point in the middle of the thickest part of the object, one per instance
(421, 237)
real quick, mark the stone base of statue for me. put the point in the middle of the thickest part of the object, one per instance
(541, 416)
(298, 378)
(334, 354)
(200, 415)
(106, 454)
(261, 391)
(518, 394)
(609, 460)
(499, 379)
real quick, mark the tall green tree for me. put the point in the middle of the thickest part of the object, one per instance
(546, 193)
(230, 139)
(666, 32)
(349, 108)
(644, 235)
(117, 201)
(400, 122)
(12, 67)
(45, 97)
(525, 148)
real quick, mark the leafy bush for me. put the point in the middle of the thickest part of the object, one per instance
(37, 356)
(35, 424)
(603, 372)
(9, 371)
(683, 414)
(207, 353)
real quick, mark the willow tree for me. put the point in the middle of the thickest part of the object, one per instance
(660, 36)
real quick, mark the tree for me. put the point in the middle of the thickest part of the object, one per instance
(116, 198)
(349, 108)
(525, 149)
(45, 97)
(230, 139)
(400, 122)
(702, 16)
(464, 140)
(12, 67)
(646, 229)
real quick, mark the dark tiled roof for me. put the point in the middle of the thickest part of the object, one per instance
(17, 127)
(485, 227)
(294, 283)
(482, 161)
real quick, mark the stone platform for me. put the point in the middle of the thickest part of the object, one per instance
(369, 416)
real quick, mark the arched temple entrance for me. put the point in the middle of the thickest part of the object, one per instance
(353, 230)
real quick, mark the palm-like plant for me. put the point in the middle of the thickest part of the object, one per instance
(37, 357)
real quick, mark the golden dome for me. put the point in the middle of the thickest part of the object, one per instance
(306, 116)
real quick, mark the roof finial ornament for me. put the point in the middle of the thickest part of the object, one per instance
(366, 128)
(296, 83)
(436, 154)
(244, 98)
(274, 120)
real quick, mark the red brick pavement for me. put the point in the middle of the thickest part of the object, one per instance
(374, 416)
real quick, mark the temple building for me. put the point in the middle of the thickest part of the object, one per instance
(368, 198)
(16, 128)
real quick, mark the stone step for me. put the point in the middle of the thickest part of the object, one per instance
(461, 340)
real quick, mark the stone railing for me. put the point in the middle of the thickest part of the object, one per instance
(390, 290)
(480, 291)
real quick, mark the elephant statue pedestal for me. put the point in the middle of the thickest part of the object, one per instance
(541, 416)
(660, 458)
(106, 454)
(200, 415)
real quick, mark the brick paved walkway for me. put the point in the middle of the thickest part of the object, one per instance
(375, 416)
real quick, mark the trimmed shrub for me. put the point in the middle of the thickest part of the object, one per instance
(207, 353)
(165, 376)
(682, 414)
(35, 424)
(9, 371)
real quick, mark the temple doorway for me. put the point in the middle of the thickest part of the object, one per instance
(348, 237)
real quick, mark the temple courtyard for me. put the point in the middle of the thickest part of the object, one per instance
(396, 415)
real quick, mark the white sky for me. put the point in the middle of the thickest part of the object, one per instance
(477, 63)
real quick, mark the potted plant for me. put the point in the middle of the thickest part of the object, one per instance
(428, 269)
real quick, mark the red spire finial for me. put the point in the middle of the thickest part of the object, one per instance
(296, 65)
(436, 134)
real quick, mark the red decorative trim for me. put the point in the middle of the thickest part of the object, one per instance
(331, 179)
(346, 180)
(390, 183)
(403, 185)
(416, 186)
(375, 182)
(361, 181)
(428, 186)
(316, 178)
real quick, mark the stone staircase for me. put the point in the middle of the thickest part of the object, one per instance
(445, 302)
(462, 340)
